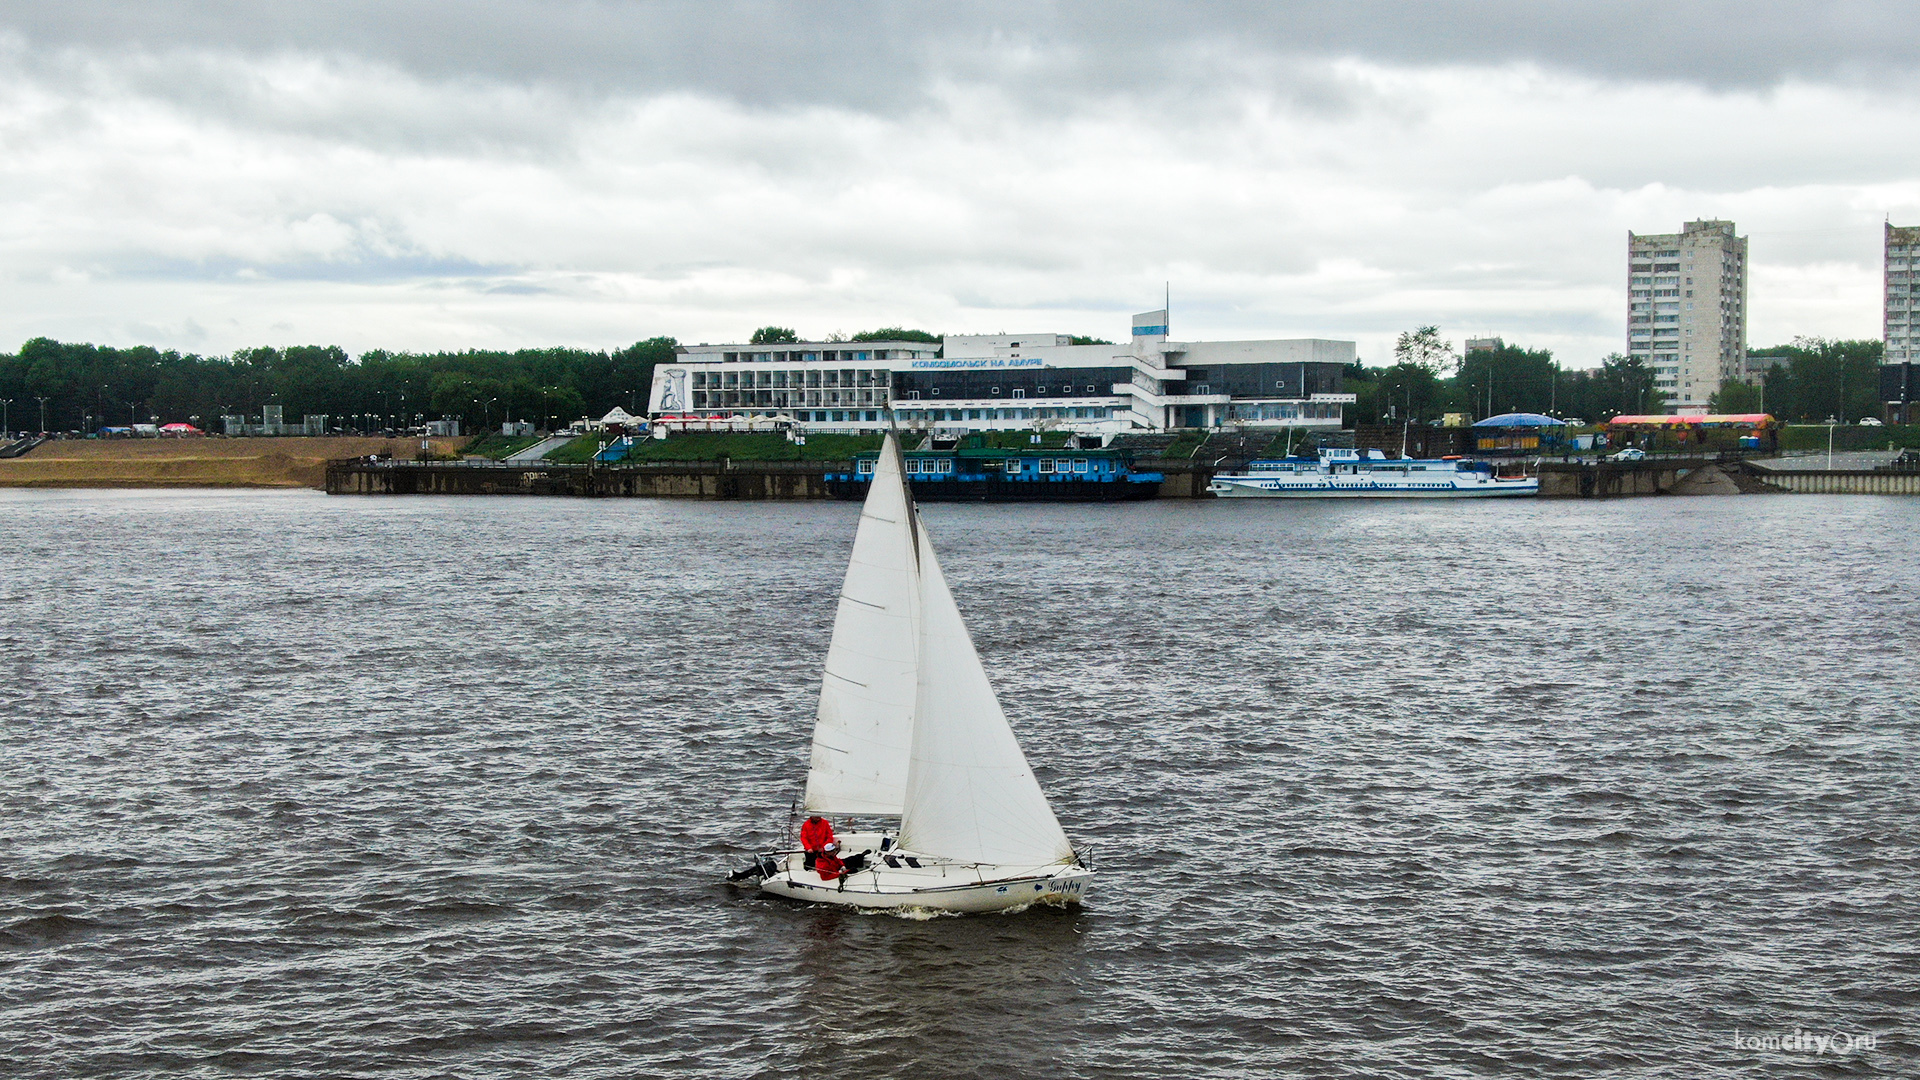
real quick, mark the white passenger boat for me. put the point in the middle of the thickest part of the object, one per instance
(1348, 474)
(909, 727)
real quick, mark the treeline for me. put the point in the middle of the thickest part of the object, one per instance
(85, 387)
(1428, 380)
(1811, 380)
(88, 386)
(91, 386)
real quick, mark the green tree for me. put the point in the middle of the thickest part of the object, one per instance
(1814, 378)
(895, 333)
(1076, 339)
(84, 383)
(1508, 379)
(773, 335)
(1407, 390)
(1423, 348)
(1735, 396)
(1622, 384)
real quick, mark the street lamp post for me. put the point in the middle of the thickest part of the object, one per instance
(1831, 421)
(6, 427)
(43, 414)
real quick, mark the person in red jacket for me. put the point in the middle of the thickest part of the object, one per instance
(815, 834)
(827, 862)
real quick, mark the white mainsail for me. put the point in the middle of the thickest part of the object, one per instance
(865, 722)
(970, 794)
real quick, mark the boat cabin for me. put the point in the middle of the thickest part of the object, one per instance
(1340, 460)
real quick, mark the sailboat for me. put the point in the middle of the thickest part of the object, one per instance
(909, 727)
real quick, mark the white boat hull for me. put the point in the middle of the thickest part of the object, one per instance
(1261, 488)
(935, 885)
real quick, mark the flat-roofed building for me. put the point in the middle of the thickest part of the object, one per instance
(1013, 381)
(1687, 309)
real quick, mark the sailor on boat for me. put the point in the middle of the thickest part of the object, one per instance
(909, 728)
(815, 834)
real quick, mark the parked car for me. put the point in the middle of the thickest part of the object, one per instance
(1870, 421)
(1631, 453)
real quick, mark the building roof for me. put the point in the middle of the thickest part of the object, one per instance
(1757, 419)
(1520, 419)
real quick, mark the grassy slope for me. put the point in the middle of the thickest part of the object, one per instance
(702, 446)
(497, 446)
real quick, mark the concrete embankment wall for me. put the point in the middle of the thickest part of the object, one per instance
(1841, 482)
(1610, 479)
(1705, 476)
(685, 480)
(792, 480)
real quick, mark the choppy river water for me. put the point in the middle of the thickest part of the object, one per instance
(312, 787)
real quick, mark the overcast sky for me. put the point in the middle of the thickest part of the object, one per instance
(409, 174)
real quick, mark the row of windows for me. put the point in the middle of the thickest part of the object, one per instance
(944, 466)
(1096, 412)
(838, 416)
(831, 356)
(1284, 411)
(781, 399)
(1061, 390)
(1034, 382)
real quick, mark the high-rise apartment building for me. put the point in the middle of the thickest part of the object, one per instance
(1901, 333)
(1687, 309)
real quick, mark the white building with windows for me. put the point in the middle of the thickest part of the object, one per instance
(1899, 328)
(823, 385)
(1687, 309)
(1018, 381)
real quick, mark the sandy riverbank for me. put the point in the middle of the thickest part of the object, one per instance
(137, 463)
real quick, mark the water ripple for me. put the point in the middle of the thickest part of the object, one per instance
(421, 787)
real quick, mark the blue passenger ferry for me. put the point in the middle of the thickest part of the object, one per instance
(976, 472)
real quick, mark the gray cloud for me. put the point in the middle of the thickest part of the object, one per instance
(882, 56)
(427, 174)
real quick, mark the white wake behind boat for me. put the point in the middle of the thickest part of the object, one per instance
(909, 727)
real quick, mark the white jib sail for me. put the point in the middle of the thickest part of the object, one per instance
(970, 794)
(865, 723)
